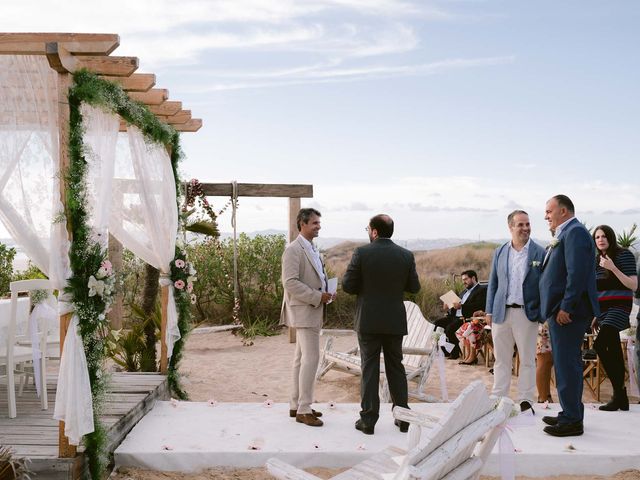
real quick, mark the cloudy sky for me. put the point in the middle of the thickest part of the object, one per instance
(445, 114)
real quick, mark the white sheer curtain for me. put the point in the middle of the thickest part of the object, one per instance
(100, 139)
(144, 217)
(30, 208)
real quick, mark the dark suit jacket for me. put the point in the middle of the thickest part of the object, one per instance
(379, 273)
(476, 301)
(568, 280)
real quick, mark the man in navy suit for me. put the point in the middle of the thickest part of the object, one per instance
(513, 308)
(568, 301)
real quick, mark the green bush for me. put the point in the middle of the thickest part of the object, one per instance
(7, 254)
(259, 270)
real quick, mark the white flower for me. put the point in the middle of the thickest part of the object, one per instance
(535, 263)
(102, 272)
(554, 242)
(95, 286)
(180, 243)
(192, 271)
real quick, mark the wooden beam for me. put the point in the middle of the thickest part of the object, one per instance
(192, 125)
(259, 190)
(59, 58)
(166, 108)
(182, 116)
(138, 82)
(155, 96)
(75, 43)
(106, 65)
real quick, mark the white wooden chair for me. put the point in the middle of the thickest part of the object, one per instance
(419, 346)
(456, 445)
(15, 356)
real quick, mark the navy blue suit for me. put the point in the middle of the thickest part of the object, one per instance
(568, 283)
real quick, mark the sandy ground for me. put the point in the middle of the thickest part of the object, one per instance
(218, 366)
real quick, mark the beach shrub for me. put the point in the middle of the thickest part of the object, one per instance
(7, 254)
(259, 285)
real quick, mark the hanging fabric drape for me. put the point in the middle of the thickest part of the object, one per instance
(30, 209)
(146, 217)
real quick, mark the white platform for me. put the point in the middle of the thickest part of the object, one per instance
(192, 436)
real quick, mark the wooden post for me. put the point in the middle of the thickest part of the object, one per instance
(65, 450)
(115, 257)
(164, 359)
(294, 208)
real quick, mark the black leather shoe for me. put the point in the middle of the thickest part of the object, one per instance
(403, 426)
(364, 428)
(620, 401)
(524, 406)
(565, 430)
(292, 413)
(550, 420)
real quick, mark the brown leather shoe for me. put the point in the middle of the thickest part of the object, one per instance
(293, 413)
(309, 419)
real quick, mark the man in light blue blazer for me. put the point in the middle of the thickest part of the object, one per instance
(568, 301)
(513, 308)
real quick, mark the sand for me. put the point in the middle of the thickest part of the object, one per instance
(219, 366)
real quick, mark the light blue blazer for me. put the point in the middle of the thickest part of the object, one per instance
(499, 280)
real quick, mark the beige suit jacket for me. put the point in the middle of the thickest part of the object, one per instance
(301, 306)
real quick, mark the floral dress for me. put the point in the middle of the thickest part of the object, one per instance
(544, 340)
(474, 336)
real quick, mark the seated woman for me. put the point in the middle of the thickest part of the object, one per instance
(470, 336)
(616, 280)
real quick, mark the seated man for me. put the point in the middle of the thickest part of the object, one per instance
(473, 298)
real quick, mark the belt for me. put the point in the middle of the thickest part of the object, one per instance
(514, 305)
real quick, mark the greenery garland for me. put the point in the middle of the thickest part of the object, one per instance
(87, 257)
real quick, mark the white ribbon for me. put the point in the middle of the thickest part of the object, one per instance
(506, 453)
(73, 396)
(633, 378)
(442, 342)
(173, 332)
(44, 315)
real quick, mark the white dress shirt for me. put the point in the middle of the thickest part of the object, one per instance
(517, 269)
(317, 261)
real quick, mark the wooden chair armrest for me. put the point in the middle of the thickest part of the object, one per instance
(412, 416)
(284, 471)
(337, 332)
(416, 351)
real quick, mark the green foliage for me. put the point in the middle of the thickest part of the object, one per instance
(628, 239)
(31, 273)
(7, 254)
(259, 327)
(259, 270)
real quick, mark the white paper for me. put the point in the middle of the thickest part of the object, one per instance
(332, 285)
(450, 298)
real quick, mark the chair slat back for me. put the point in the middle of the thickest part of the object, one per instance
(419, 332)
(472, 404)
(20, 310)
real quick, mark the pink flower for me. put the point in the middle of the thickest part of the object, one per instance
(211, 402)
(194, 299)
(362, 447)
(107, 266)
(179, 263)
(179, 284)
(189, 287)
(174, 403)
(268, 403)
(332, 404)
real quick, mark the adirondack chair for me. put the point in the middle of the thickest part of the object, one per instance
(419, 347)
(456, 445)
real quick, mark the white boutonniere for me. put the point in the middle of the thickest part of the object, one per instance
(553, 243)
(535, 263)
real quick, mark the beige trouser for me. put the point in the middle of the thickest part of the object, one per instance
(516, 329)
(305, 364)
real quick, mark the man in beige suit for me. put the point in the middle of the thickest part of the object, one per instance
(305, 294)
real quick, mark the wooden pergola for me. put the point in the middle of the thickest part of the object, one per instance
(68, 53)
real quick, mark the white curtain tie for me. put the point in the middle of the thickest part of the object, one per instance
(172, 335)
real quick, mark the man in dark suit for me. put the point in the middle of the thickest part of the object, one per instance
(568, 301)
(473, 298)
(380, 273)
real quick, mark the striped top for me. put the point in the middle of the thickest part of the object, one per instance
(615, 299)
